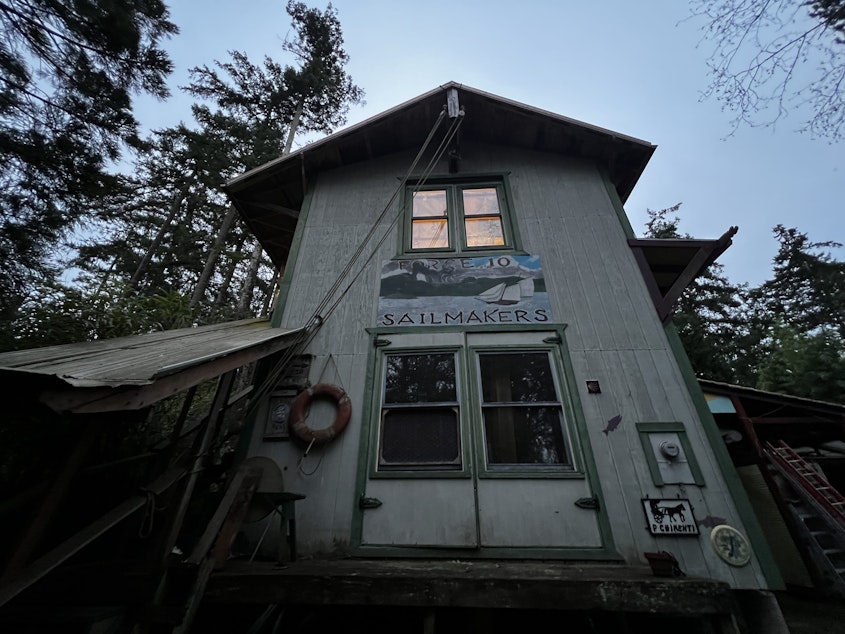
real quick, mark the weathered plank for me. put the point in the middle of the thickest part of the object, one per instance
(455, 583)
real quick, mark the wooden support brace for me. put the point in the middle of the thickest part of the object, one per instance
(241, 488)
(233, 508)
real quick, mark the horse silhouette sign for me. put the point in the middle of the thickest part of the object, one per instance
(670, 517)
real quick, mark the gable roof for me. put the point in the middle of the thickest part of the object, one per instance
(269, 197)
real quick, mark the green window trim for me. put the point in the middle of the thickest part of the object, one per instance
(572, 466)
(644, 429)
(583, 454)
(466, 216)
(378, 468)
(473, 457)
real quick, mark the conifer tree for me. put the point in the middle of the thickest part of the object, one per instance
(786, 335)
(68, 71)
(267, 105)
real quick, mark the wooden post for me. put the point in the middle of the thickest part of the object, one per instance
(201, 448)
(228, 517)
(214, 415)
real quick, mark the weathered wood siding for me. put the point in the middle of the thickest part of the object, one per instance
(564, 215)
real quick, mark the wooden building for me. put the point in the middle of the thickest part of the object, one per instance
(516, 389)
(477, 413)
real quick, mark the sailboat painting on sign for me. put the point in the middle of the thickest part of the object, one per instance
(506, 294)
(506, 289)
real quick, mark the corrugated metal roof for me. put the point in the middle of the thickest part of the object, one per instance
(141, 359)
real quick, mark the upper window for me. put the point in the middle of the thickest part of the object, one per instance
(457, 217)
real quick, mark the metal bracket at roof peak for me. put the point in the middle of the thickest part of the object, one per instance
(453, 107)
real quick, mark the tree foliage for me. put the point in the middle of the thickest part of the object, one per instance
(56, 314)
(68, 71)
(260, 108)
(772, 56)
(807, 288)
(164, 239)
(809, 364)
(785, 335)
(314, 96)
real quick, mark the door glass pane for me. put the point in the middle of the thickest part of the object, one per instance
(420, 423)
(522, 413)
(524, 377)
(524, 435)
(420, 378)
(420, 437)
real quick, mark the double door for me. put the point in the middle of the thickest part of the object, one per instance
(474, 444)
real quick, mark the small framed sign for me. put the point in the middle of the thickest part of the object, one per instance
(669, 517)
(278, 415)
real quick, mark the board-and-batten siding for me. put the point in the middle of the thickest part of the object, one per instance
(342, 207)
(614, 335)
(564, 215)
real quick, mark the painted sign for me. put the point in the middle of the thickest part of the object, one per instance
(670, 517)
(506, 289)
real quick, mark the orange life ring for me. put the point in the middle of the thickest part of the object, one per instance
(301, 404)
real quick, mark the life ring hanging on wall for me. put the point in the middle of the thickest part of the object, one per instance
(303, 401)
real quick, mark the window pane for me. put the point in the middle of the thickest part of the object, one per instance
(481, 202)
(420, 436)
(430, 203)
(524, 377)
(420, 378)
(429, 234)
(484, 232)
(524, 435)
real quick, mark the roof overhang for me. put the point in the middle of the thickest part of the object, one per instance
(130, 373)
(270, 197)
(764, 407)
(670, 265)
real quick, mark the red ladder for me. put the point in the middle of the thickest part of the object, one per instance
(810, 480)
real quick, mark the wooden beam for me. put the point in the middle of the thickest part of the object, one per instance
(543, 585)
(206, 541)
(748, 428)
(231, 512)
(794, 420)
(690, 272)
(650, 282)
(216, 411)
(235, 517)
(200, 449)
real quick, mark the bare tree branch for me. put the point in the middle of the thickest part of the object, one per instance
(773, 57)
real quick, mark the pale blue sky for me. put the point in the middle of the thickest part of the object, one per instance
(637, 68)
